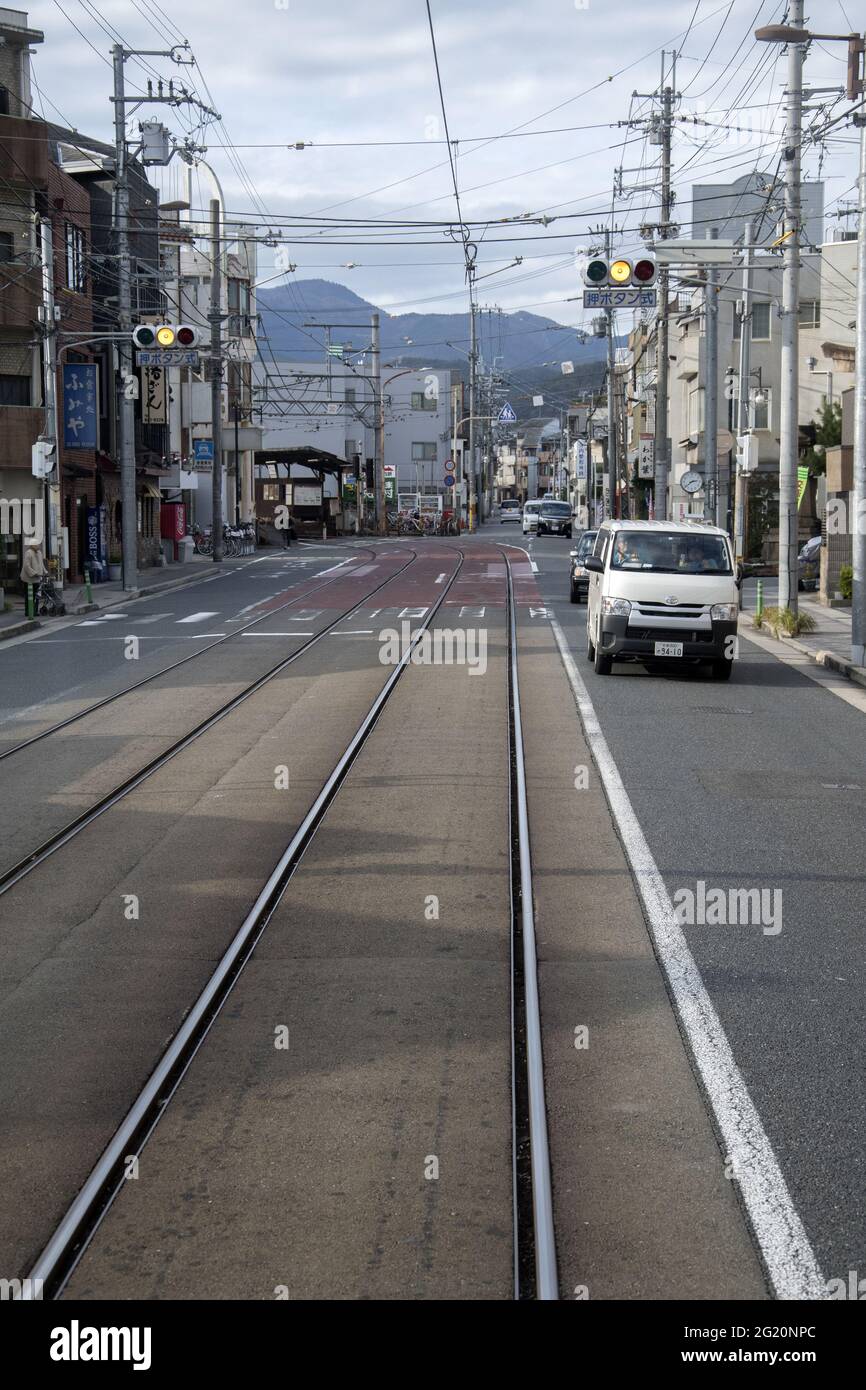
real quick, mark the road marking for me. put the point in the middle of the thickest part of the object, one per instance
(788, 1256)
(441, 579)
(277, 634)
(354, 632)
(198, 617)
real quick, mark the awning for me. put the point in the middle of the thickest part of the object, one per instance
(148, 490)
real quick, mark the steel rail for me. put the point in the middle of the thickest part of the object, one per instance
(16, 872)
(166, 670)
(547, 1285)
(85, 1214)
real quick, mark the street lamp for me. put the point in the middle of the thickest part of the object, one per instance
(783, 33)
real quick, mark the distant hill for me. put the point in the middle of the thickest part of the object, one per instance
(441, 340)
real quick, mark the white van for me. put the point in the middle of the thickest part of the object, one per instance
(531, 512)
(662, 591)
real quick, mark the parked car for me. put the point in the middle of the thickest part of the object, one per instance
(579, 575)
(530, 516)
(554, 519)
(810, 564)
(662, 590)
(509, 509)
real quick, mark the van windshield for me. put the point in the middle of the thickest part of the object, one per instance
(555, 509)
(670, 552)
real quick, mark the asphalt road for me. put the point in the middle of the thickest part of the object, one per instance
(308, 1170)
(759, 783)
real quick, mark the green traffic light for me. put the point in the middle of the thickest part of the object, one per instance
(596, 271)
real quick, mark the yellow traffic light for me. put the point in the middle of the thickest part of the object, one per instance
(620, 272)
(165, 336)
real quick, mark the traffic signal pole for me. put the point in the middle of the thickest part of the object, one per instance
(789, 425)
(125, 378)
(662, 441)
(216, 382)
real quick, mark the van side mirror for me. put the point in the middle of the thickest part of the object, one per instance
(740, 573)
(593, 564)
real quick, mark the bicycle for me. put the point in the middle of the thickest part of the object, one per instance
(202, 542)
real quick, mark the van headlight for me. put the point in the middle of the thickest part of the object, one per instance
(724, 612)
(616, 607)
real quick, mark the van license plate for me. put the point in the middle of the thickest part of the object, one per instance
(669, 649)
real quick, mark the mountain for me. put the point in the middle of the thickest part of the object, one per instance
(436, 340)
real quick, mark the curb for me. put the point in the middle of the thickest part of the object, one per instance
(18, 629)
(146, 592)
(829, 660)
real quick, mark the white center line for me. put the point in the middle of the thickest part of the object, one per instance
(277, 634)
(788, 1256)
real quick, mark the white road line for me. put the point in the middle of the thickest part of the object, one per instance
(789, 1258)
(441, 579)
(277, 634)
(837, 684)
(198, 617)
(354, 632)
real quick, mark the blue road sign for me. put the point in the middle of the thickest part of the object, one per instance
(449, 479)
(506, 415)
(202, 450)
(80, 412)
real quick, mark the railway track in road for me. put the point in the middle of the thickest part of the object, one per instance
(174, 666)
(535, 1274)
(16, 872)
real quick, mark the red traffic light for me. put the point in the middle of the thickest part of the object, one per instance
(186, 336)
(644, 272)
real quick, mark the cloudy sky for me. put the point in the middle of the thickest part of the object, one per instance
(534, 95)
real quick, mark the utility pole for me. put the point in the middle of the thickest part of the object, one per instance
(741, 483)
(611, 461)
(216, 381)
(126, 380)
(662, 442)
(789, 411)
(379, 512)
(51, 490)
(473, 388)
(858, 499)
(126, 401)
(711, 388)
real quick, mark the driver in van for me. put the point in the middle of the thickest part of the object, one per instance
(622, 555)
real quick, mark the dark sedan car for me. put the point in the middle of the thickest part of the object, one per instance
(579, 585)
(554, 519)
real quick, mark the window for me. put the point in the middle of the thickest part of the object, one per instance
(760, 321)
(76, 271)
(810, 313)
(4, 101)
(271, 492)
(239, 308)
(760, 410)
(14, 390)
(696, 410)
(424, 453)
(7, 246)
(421, 401)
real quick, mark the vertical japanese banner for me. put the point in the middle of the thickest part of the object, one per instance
(153, 396)
(80, 405)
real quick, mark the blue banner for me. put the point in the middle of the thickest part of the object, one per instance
(80, 414)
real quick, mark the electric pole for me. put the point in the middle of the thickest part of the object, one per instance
(711, 389)
(789, 411)
(380, 518)
(51, 489)
(741, 483)
(473, 389)
(858, 496)
(216, 382)
(126, 400)
(662, 442)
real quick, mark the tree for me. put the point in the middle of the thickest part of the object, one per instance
(825, 432)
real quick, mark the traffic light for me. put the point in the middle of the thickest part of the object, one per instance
(621, 273)
(154, 337)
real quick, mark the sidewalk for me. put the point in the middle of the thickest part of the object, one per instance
(152, 581)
